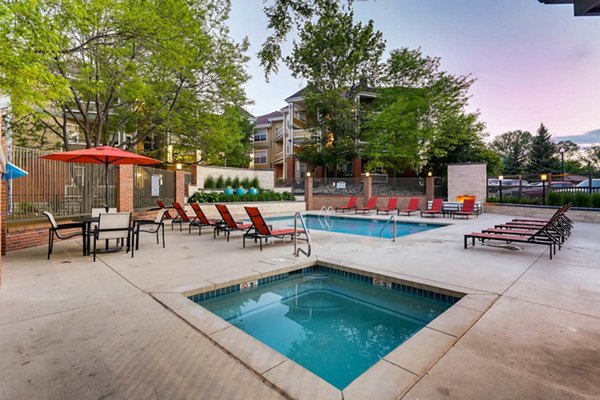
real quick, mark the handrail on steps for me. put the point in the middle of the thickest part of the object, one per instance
(391, 218)
(298, 250)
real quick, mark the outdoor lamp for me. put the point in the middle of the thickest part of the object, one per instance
(178, 166)
(367, 174)
(430, 173)
(308, 174)
(544, 177)
(501, 177)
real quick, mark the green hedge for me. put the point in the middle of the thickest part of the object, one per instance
(515, 200)
(215, 197)
(584, 200)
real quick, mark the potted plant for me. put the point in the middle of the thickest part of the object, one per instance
(241, 191)
(253, 191)
(228, 191)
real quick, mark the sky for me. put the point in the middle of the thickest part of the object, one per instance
(534, 63)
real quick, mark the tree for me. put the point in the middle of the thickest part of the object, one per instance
(337, 57)
(514, 148)
(542, 156)
(151, 69)
(421, 120)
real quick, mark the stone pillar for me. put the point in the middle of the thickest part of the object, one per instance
(368, 187)
(125, 188)
(429, 188)
(180, 187)
(308, 192)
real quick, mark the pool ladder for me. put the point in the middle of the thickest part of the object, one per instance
(391, 218)
(323, 213)
(298, 250)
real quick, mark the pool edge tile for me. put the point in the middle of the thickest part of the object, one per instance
(299, 383)
(455, 321)
(383, 381)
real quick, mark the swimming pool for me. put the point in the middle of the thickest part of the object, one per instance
(333, 323)
(357, 226)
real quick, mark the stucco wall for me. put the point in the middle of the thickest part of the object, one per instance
(578, 215)
(266, 177)
(467, 179)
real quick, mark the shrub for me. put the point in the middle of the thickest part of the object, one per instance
(220, 184)
(235, 182)
(228, 182)
(209, 182)
(245, 183)
(215, 197)
(255, 183)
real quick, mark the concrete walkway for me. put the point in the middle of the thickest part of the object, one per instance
(74, 329)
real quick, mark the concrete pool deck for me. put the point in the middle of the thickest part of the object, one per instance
(71, 328)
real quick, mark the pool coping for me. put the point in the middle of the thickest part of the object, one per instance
(389, 378)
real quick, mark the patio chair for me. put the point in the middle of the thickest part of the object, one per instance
(392, 205)
(55, 231)
(350, 206)
(95, 214)
(263, 231)
(468, 208)
(371, 205)
(151, 226)
(228, 224)
(181, 218)
(162, 206)
(540, 236)
(413, 206)
(436, 208)
(114, 226)
(200, 220)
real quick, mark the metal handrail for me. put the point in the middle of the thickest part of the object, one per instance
(298, 250)
(391, 218)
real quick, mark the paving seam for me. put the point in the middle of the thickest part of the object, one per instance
(552, 307)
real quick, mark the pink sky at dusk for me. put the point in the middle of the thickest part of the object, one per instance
(533, 62)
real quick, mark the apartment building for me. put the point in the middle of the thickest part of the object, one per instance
(268, 143)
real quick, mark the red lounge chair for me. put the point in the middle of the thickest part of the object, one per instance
(182, 217)
(413, 206)
(391, 206)
(351, 205)
(541, 236)
(228, 224)
(162, 206)
(468, 208)
(436, 208)
(262, 230)
(371, 204)
(200, 220)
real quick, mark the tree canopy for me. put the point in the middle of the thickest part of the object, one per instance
(542, 156)
(152, 69)
(513, 147)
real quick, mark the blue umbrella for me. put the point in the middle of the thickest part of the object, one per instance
(12, 172)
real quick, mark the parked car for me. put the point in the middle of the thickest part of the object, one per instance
(507, 182)
(536, 189)
(586, 183)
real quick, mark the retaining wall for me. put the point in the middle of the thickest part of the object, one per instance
(580, 215)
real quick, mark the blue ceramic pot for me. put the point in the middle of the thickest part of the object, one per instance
(253, 191)
(228, 191)
(241, 191)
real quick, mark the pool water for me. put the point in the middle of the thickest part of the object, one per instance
(357, 226)
(334, 326)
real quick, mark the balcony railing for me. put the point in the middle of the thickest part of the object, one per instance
(278, 157)
(279, 134)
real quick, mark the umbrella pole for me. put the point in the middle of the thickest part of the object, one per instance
(106, 207)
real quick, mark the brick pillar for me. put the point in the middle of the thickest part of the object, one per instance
(308, 192)
(429, 188)
(125, 188)
(357, 167)
(180, 187)
(368, 188)
(2, 210)
(194, 171)
(291, 168)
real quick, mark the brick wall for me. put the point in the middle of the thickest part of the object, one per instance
(125, 188)
(180, 187)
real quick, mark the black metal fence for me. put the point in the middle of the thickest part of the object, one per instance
(64, 189)
(151, 184)
(341, 186)
(399, 187)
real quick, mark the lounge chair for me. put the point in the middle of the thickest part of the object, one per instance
(114, 226)
(540, 236)
(150, 226)
(263, 231)
(182, 217)
(75, 229)
(350, 206)
(228, 224)
(392, 205)
(468, 208)
(436, 208)
(162, 205)
(371, 205)
(201, 219)
(413, 206)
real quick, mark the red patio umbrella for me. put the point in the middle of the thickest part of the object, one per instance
(106, 155)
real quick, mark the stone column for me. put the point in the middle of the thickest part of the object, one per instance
(368, 188)
(429, 188)
(180, 187)
(308, 192)
(125, 188)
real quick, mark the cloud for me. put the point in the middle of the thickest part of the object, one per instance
(589, 137)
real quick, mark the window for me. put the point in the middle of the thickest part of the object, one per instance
(260, 135)
(260, 157)
(301, 170)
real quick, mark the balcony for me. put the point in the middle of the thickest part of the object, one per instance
(279, 134)
(278, 159)
(299, 123)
